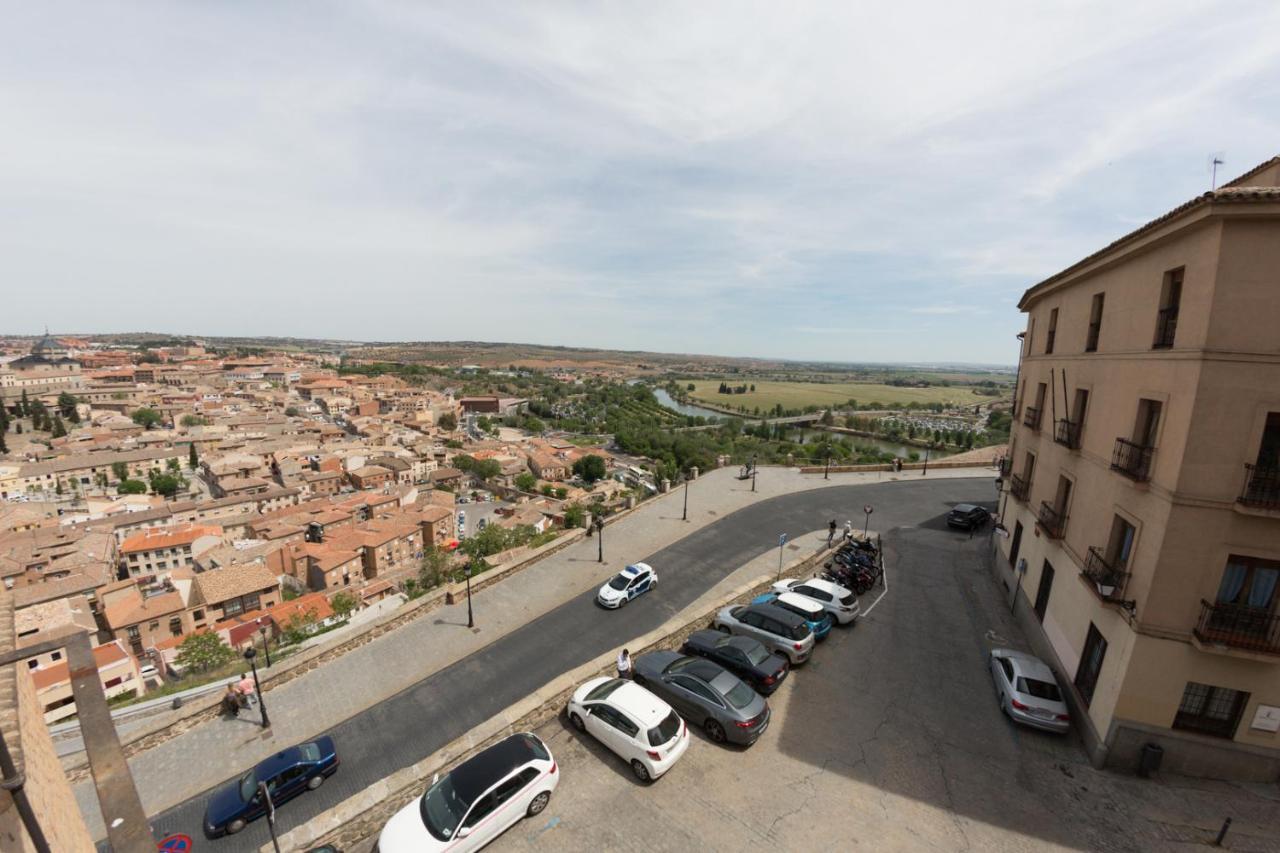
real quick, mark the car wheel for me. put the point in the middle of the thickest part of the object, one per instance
(577, 722)
(538, 804)
(723, 629)
(315, 782)
(714, 730)
(622, 603)
(235, 826)
(642, 772)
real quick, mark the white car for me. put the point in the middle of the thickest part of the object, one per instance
(833, 598)
(639, 727)
(627, 584)
(476, 801)
(1027, 691)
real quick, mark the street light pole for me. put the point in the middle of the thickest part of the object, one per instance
(262, 629)
(249, 655)
(827, 471)
(471, 621)
(265, 793)
(600, 538)
(925, 469)
(685, 515)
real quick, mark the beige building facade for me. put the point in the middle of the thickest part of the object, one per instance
(1141, 494)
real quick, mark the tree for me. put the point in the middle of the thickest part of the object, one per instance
(193, 458)
(4, 448)
(132, 487)
(58, 489)
(590, 468)
(173, 464)
(526, 482)
(548, 489)
(67, 407)
(204, 651)
(435, 568)
(343, 604)
(532, 424)
(166, 484)
(24, 406)
(574, 515)
(121, 470)
(146, 418)
(59, 428)
(291, 412)
(448, 422)
(561, 493)
(194, 420)
(300, 626)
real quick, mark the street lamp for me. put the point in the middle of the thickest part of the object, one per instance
(753, 473)
(249, 655)
(265, 793)
(925, 469)
(827, 471)
(599, 523)
(262, 629)
(685, 515)
(471, 621)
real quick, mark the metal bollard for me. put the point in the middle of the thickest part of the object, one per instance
(1222, 833)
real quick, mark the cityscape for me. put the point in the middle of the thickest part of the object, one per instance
(559, 499)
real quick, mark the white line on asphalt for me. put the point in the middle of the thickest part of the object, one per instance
(867, 612)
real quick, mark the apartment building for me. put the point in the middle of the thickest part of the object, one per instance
(1141, 492)
(160, 549)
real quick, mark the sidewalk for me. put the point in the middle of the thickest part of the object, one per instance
(177, 769)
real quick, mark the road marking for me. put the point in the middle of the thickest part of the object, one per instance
(885, 576)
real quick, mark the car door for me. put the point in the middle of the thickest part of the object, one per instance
(507, 807)
(1002, 674)
(750, 626)
(643, 582)
(735, 660)
(695, 696)
(603, 725)
(479, 827)
(770, 633)
(289, 784)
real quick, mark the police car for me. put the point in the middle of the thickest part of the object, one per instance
(626, 585)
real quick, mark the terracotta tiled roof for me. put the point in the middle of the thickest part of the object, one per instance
(286, 610)
(232, 581)
(168, 537)
(137, 609)
(104, 655)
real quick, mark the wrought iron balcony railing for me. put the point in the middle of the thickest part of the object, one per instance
(1067, 433)
(1019, 487)
(1132, 460)
(1166, 327)
(1261, 486)
(1052, 520)
(1108, 579)
(1254, 629)
(1031, 418)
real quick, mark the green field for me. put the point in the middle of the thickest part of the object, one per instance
(797, 395)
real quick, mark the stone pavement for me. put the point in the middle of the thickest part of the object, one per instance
(177, 769)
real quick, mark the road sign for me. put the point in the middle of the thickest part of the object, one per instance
(867, 509)
(176, 843)
(782, 540)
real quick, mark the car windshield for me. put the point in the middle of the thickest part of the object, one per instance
(310, 751)
(741, 695)
(442, 808)
(1039, 689)
(848, 599)
(665, 731)
(248, 786)
(961, 509)
(756, 654)
(602, 691)
(619, 582)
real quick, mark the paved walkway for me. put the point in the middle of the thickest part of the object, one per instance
(188, 764)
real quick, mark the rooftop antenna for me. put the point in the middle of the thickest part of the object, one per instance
(1215, 160)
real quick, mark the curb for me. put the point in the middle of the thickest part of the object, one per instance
(362, 816)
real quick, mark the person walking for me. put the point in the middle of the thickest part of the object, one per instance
(848, 530)
(831, 532)
(624, 664)
(245, 688)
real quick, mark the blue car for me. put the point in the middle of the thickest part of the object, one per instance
(299, 768)
(819, 620)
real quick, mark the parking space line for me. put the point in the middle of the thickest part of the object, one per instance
(885, 577)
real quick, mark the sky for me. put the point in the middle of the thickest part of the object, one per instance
(835, 181)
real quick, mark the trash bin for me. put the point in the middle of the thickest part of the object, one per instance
(1149, 760)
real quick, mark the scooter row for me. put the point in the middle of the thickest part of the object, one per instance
(856, 566)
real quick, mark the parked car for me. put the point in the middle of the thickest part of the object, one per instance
(476, 801)
(833, 598)
(286, 774)
(627, 584)
(1027, 690)
(967, 517)
(778, 630)
(637, 726)
(706, 694)
(743, 656)
(811, 612)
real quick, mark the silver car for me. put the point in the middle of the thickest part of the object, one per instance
(1027, 690)
(706, 694)
(776, 629)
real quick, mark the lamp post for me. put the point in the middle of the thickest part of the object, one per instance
(265, 793)
(826, 472)
(685, 515)
(599, 524)
(471, 621)
(867, 526)
(925, 469)
(249, 655)
(262, 629)
(753, 473)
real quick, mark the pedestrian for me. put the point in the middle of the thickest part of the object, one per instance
(848, 530)
(831, 532)
(624, 664)
(231, 701)
(245, 686)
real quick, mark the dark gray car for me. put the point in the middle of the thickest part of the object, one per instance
(705, 694)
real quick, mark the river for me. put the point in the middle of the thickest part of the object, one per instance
(896, 448)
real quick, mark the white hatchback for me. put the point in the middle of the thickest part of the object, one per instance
(833, 598)
(639, 727)
(476, 801)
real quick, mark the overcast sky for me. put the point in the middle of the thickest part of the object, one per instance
(782, 180)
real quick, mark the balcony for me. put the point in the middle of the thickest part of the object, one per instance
(1166, 326)
(1006, 467)
(1019, 487)
(1107, 579)
(1032, 418)
(1052, 520)
(1132, 460)
(1067, 433)
(1261, 487)
(1251, 629)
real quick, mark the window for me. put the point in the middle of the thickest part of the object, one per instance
(1015, 543)
(232, 607)
(32, 664)
(175, 626)
(481, 810)
(134, 634)
(1167, 316)
(56, 656)
(198, 615)
(697, 688)
(1210, 710)
(1147, 423)
(1249, 582)
(1042, 594)
(1052, 333)
(154, 626)
(252, 601)
(113, 682)
(1120, 544)
(1095, 650)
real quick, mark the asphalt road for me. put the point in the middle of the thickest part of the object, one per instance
(416, 722)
